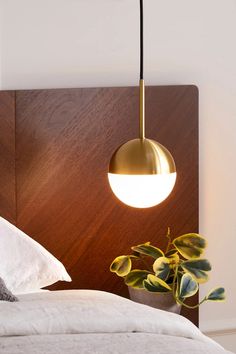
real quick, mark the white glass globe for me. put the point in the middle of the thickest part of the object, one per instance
(142, 191)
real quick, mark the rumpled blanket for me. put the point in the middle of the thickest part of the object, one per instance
(90, 321)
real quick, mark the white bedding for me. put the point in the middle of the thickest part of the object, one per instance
(89, 321)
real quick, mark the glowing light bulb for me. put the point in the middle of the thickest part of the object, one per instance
(142, 191)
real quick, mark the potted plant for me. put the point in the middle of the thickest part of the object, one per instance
(167, 278)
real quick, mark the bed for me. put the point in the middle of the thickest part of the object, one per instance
(90, 321)
(35, 320)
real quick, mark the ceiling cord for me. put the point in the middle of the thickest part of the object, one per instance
(141, 39)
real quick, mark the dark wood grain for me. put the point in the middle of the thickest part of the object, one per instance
(64, 140)
(7, 156)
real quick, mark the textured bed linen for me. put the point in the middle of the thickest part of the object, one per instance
(116, 343)
(85, 321)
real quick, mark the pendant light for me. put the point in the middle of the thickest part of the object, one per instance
(142, 172)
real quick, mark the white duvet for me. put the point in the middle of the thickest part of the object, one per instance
(89, 321)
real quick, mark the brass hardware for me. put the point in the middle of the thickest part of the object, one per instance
(142, 157)
(141, 109)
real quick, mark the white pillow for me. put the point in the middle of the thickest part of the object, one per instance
(25, 265)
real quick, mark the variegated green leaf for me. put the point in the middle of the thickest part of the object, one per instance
(136, 277)
(148, 250)
(188, 286)
(161, 267)
(121, 266)
(171, 252)
(198, 268)
(217, 294)
(190, 245)
(178, 281)
(154, 284)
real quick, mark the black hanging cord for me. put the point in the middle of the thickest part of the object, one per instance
(141, 39)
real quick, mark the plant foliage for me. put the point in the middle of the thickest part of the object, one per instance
(179, 269)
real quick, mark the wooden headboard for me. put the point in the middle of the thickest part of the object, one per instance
(55, 147)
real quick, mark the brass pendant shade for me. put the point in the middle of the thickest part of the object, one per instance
(142, 172)
(142, 157)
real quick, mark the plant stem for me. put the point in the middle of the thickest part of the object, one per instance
(169, 240)
(191, 307)
(174, 281)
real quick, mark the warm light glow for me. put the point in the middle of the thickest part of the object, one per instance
(142, 191)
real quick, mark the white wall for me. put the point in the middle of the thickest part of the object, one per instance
(76, 43)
